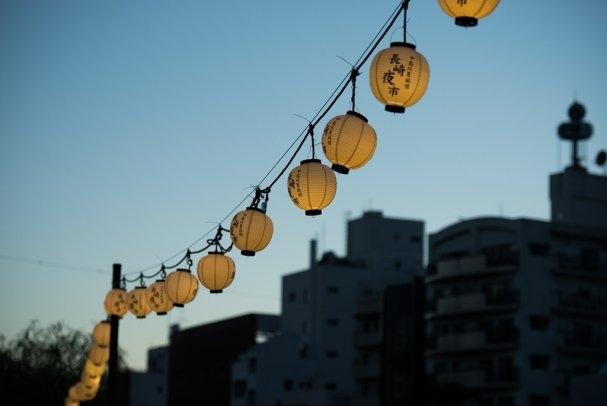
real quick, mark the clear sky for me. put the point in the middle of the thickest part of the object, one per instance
(128, 128)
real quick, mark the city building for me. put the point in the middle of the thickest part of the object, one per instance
(150, 387)
(389, 342)
(200, 357)
(517, 308)
(311, 361)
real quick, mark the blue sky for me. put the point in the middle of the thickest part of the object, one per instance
(128, 128)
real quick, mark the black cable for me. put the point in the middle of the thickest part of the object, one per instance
(322, 112)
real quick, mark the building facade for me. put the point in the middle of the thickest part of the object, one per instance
(518, 307)
(311, 362)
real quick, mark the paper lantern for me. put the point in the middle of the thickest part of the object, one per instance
(348, 141)
(98, 355)
(73, 394)
(138, 303)
(468, 12)
(251, 231)
(101, 333)
(85, 392)
(71, 402)
(116, 302)
(89, 380)
(93, 370)
(312, 186)
(399, 76)
(216, 271)
(158, 299)
(181, 287)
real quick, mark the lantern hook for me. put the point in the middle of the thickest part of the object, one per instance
(353, 75)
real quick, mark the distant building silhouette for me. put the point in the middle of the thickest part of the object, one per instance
(518, 307)
(200, 358)
(150, 388)
(311, 362)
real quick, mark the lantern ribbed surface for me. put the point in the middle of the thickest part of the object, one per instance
(158, 299)
(251, 231)
(468, 12)
(399, 76)
(312, 186)
(92, 369)
(116, 302)
(216, 271)
(101, 333)
(73, 394)
(89, 380)
(85, 393)
(348, 141)
(138, 303)
(181, 287)
(98, 355)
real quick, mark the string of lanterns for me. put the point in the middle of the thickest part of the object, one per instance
(398, 77)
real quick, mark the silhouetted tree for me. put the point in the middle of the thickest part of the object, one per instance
(39, 366)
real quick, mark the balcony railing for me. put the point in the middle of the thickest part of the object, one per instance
(473, 264)
(593, 305)
(481, 378)
(474, 341)
(473, 302)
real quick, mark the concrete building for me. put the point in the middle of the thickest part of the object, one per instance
(150, 388)
(200, 358)
(518, 307)
(389, 343)
(311, 362)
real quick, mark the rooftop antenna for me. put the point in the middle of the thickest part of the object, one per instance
(575, 130)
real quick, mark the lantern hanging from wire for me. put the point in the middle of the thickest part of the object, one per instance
(73, 394)
(181, 287)
(101, 333)
(348, 141)
(71, 402)
(98, 355)
(116, 302)
(216, 271)
(158, 299)
(468, 12)
(251, 229)
(399, 76)
(312, 186)
(94, 370)
(85, 393)
(138, 303)
(89, 380)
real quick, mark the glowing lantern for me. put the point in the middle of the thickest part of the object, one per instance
(216, 271)
(101, 333)
(138, 303)
(181, 287)
(98, 355)
(468, 12)
(116, 302)
(85, 392)
(93, 370)
(73, 394)
(251, 231)
(399, 76)
(89, 380)
(312, 186)
(348, 141)
(158, 299)
(71, 402)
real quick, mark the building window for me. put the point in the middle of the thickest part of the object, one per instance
(539, 249)
(252, 364)
(333, 289)
(304, 296)
(240, 388)
(330, 386)
(590, 259)
(304, 327)
(540, 323)
(415, 238)
(287, 385)
(539, 400)
(331, 354)
(396, 236)
(332, 322)
(292, 296)
(397, 264)
(537, 361)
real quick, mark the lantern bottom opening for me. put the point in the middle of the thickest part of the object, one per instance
(466, 21)
(161, 314)
(177, 305)
(394, 109)
(340, 169)
(315, 212)
(216, 291)
(248, 253)
(141, 317)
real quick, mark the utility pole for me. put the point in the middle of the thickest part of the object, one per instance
(112, 382)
